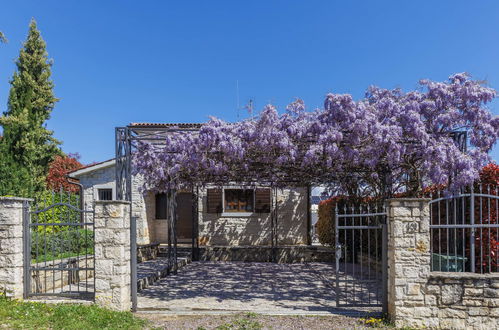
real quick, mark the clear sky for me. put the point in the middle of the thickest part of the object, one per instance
(117, 62)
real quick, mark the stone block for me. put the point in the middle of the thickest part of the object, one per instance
(413, 289)
(451, 294)
(402, 212)
(472, 302)
(451, 313)
(114, 252)
(104, 267)
(102, 285)
(473, 292)
(453, 323)
(118, 223)
(491, 293)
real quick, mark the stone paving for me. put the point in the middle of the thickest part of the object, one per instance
(266, 288)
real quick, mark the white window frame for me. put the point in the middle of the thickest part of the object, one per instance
(109, 185)
(237, 214)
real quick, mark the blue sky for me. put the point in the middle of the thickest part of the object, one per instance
(117, 62)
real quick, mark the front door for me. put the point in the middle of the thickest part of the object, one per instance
(184, 216)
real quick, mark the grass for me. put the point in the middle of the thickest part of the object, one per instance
(15, 314)
(247, 322)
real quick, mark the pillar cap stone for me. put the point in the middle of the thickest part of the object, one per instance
(19, 199)
(112, 202)
(409, 199)
(464, 275)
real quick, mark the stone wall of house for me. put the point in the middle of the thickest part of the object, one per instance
(220, 230)
(214, 229)
(105, 178)
(418, 297)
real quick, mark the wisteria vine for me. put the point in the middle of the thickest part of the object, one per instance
(347, 143)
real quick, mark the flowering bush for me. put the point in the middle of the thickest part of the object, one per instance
(347, 144)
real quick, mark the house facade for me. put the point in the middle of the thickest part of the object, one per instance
(232, 215)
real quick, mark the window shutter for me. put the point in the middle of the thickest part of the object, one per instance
(262, 201)
(214, 201)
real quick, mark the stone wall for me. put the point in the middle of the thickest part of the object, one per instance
(214, 229)
(11, 245)
(49, 281)
(105, 178)
(112, 254)
(418, 297)
(255, 229)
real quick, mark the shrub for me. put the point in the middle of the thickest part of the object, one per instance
(57, 245)
(56, 214)
(326, 222)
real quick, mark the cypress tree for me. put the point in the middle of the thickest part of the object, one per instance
(27, 146)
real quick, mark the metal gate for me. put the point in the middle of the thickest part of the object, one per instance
(361, 256)
(59, 248)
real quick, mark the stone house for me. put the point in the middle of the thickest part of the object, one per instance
(232, 215)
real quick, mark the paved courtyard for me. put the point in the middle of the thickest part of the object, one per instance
(266, 288)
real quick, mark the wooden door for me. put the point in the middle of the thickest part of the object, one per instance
(184, 215)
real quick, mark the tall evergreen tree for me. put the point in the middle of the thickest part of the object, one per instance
(27, 145)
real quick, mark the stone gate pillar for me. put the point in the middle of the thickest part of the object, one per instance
(11, 245)
(112, 254)
(408, 258)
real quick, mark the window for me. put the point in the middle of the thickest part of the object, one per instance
(161, 206)
(239, 200)
(105, 194)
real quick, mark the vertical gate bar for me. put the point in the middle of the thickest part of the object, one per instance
(133, 224)
(276, 226)
(174, 222)
(169, 236)
(454, 236)
(93, 249)
(193, 216)
(384, 266)
(53, 250)
(463, 231)
(133, 261)
(369, 263)
(439, 233)
(345, 242)
(447, 236)
(45, 252)
(497, 231)
(337, 253)
(489, 222)
(378, 256)
(352, 252)
(62, 247)
(26, 249)
(472, 232)
(480, 219)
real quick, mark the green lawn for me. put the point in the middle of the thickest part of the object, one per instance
(31, 315)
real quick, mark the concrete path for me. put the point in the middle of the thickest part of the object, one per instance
(266, 288)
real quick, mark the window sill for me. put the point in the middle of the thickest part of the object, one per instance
(237, 214)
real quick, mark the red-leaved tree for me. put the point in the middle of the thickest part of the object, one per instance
(58, 170)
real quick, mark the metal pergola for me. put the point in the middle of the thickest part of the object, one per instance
(156, 134)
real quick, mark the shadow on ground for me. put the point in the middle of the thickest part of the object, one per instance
(250, 286)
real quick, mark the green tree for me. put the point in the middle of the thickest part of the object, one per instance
(2, 37)
(27, 146)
